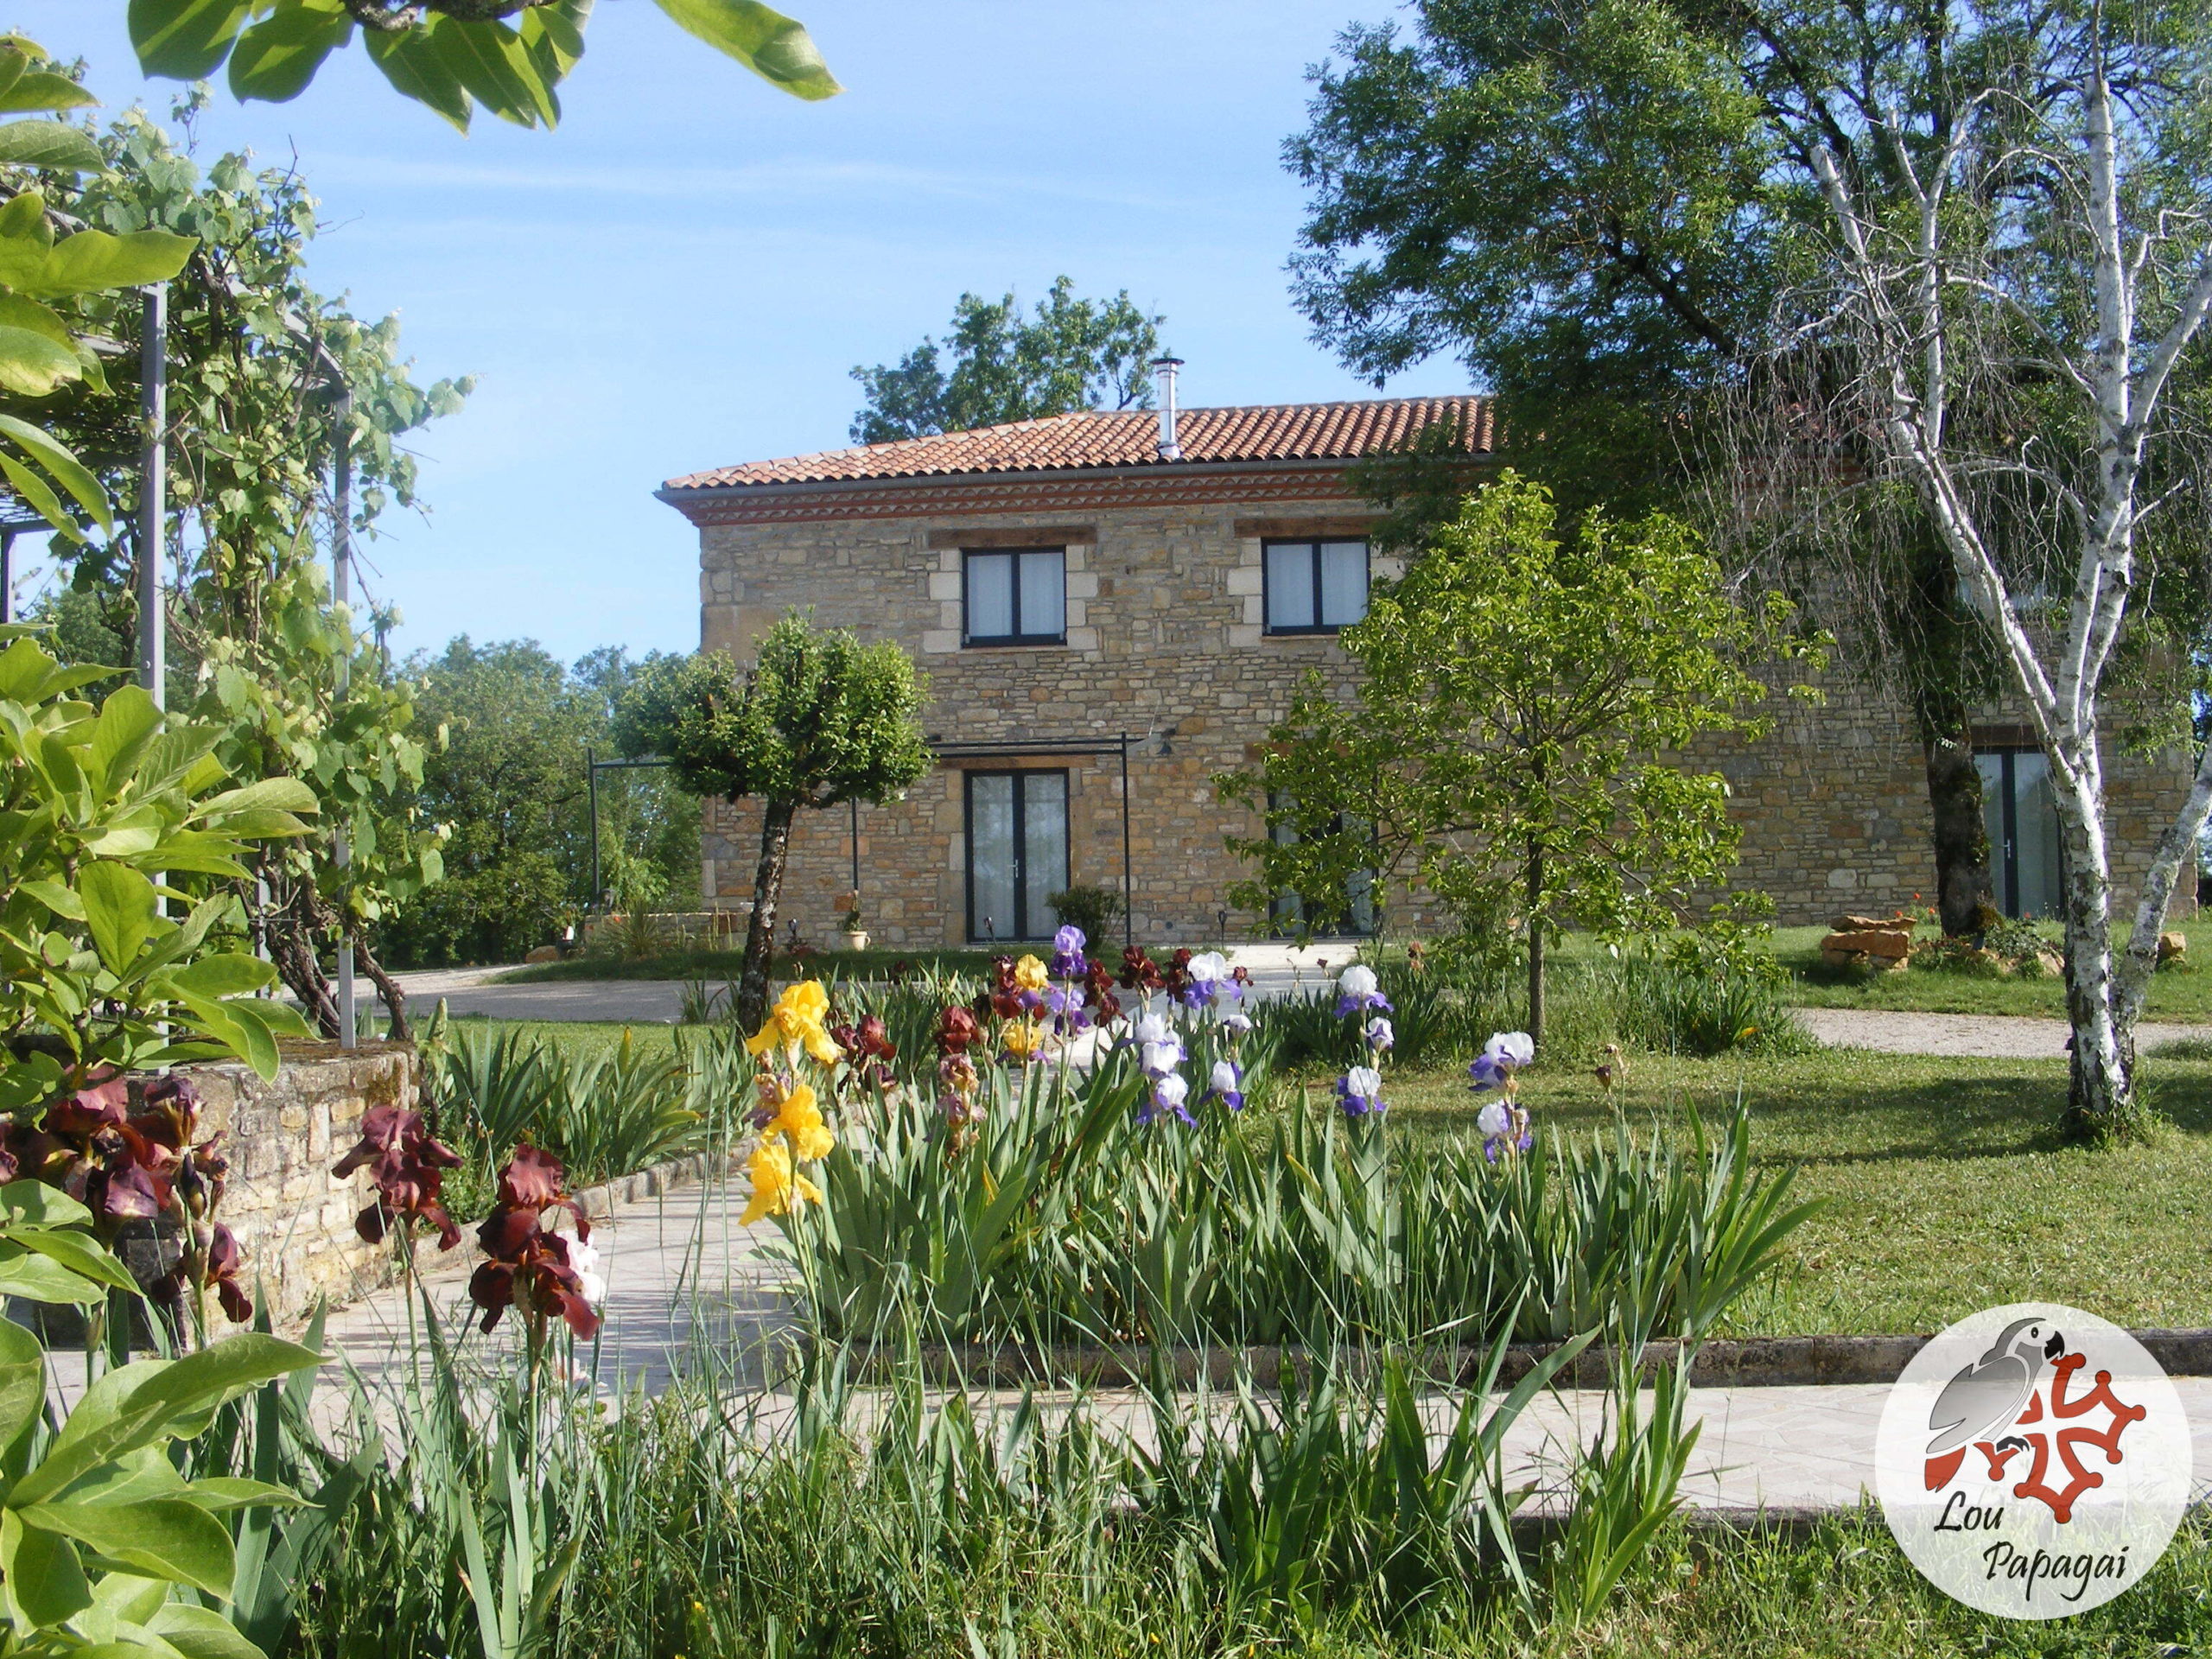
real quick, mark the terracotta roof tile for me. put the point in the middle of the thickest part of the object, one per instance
(1123, 438)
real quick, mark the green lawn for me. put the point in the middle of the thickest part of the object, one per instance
(1949, 1189)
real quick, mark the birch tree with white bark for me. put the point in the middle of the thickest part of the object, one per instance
(2014, 331)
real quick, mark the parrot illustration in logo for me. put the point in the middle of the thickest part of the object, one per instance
(1988, 1394)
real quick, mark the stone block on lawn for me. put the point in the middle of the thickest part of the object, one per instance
(1883, 948)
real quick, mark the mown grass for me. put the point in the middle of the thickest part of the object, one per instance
(1949, 1187)
(720, 966)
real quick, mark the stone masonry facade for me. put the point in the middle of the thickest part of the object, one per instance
(1165, 645)
(293, 1218)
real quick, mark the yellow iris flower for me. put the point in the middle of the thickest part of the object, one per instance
(1022, 1037)
(778, 1188)
(796, 1022)
(799, 1121)
(1029, 974)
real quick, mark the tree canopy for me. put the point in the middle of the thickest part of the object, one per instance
(449, 55)
(816, 720)
(1073, 354)
(1513, 737)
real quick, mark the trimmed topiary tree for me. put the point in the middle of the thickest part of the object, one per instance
(816, 720)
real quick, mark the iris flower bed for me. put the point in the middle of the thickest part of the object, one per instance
(1080, 1158)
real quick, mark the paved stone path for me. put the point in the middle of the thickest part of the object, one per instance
(690, 1292)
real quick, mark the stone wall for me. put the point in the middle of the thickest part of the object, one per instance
(1165, 643)
(293, 1220)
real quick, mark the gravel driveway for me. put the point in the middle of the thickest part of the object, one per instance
(1986, 1036)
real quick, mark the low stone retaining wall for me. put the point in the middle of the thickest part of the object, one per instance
(1719, 1362)
(293, 1218)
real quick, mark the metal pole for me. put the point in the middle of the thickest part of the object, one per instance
(341, 546)
(1128, 888)
(856, 851)
(153, 494)
(591, 783)
(7, 575)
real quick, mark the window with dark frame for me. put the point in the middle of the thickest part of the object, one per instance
(1014, 596)
(1289, 912)
(1017, 852)
(1314, 587)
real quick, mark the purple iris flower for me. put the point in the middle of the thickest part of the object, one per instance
(1359, 1091)
(1358, 991)
(1167, 1094)
(1226, 1085)
(1068, 960)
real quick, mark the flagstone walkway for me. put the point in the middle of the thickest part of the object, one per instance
(692, 1293)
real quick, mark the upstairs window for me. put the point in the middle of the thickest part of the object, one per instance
(1016, 598)
(1315, 587)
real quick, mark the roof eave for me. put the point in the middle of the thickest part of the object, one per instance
(704, 495)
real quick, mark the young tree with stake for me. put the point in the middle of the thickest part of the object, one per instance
(816, 720)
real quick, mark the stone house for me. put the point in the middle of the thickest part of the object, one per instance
(1113, 607)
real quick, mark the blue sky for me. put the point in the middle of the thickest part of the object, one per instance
(681, 275)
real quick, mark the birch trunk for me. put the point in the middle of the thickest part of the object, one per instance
(1903, 288)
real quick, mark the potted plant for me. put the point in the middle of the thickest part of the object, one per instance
(855, 933)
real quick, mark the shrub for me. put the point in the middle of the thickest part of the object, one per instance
(1093, 909)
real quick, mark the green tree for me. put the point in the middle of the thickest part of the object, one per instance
(816, 720)
(1073, 355)
(1513, 737)
(267, 378)
(1598, 205)
(449, 55)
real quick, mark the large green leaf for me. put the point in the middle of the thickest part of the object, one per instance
(417, 69)
(41, 1279)
(137, 1403)
(43, 93)
(53, 145)
(282, 794)
(127, 724)
(184, 39)
(120, 911)
(767, 42)
(275, 59)
(65, 469)
(35, 1203)
(165, 1536)
(490, 59)
(93, 261)
(232, 973)
(201, 1633)
(81, 1254)
(23, 1381)
(44, 1577)
(31, 364)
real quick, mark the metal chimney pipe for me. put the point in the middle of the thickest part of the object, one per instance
(1163, 369)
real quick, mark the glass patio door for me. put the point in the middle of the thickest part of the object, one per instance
(2022, 821)
(1017, 852)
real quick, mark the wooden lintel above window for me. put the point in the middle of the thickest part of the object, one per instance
(1017, 536)
(1993, 735)
(1298, 530)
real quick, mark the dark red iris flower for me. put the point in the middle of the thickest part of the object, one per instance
(957, 1030)
(1139, 972)
(1099, 984)
(868, 1046)
(529, 1264)
(407, 1167)
(1178, 971)
(221, 1274)
(1005, 994)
